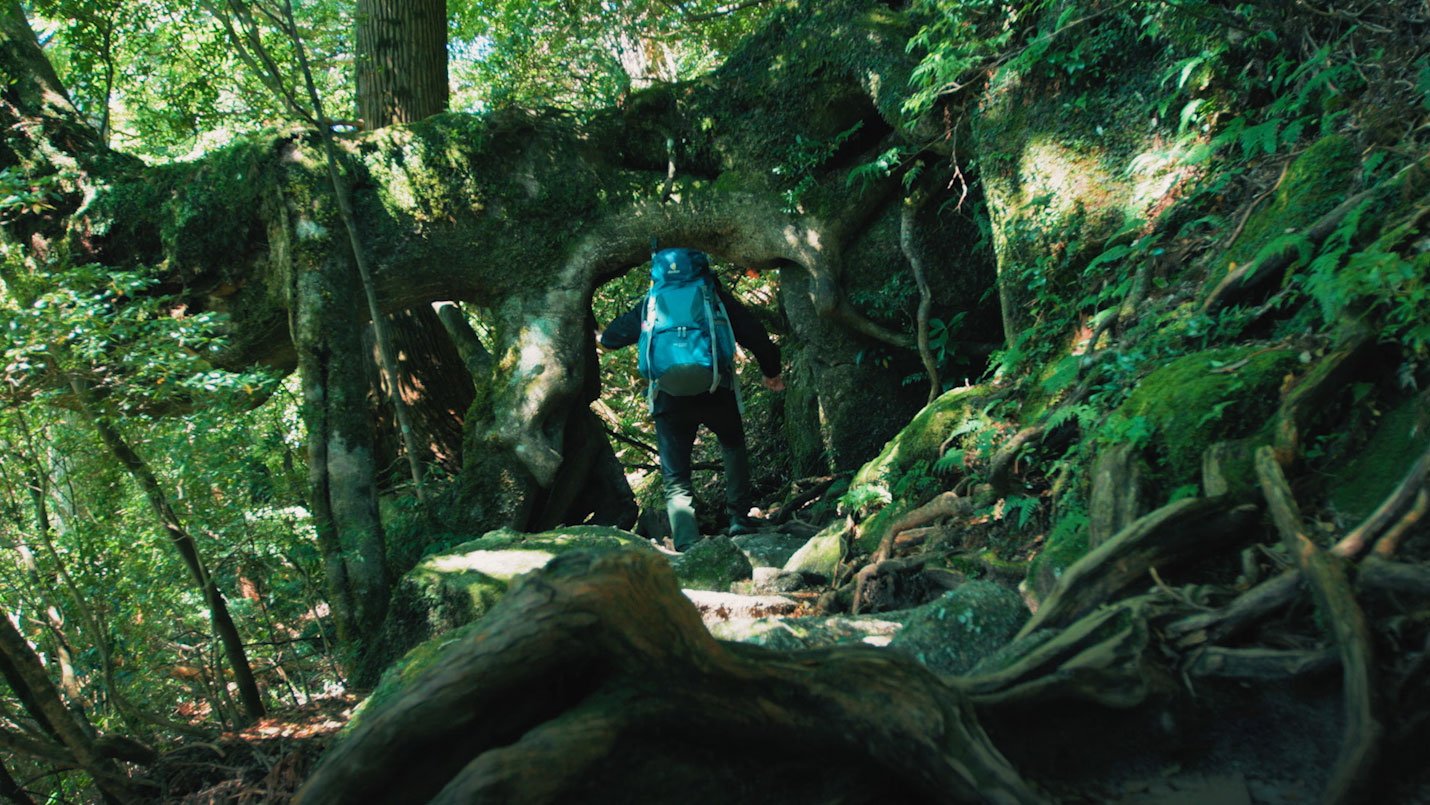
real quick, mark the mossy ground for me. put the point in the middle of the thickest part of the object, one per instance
(1182, 408)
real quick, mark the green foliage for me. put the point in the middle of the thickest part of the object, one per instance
(586, 54)
(802, 158)
(163, 79)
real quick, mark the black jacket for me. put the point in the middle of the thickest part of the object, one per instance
(749, 333)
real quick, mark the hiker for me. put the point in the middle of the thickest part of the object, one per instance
(687, 327)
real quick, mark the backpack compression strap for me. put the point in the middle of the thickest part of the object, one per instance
(714, 343)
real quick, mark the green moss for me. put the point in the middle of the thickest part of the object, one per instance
(820, 556)
(1314, 184)
(919, 441)
(1065, 546)
(406, 669)
(1185, 406)
(1358, 486)
(450, 590)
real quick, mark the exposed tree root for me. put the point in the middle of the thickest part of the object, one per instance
(1245, 611)
(1101, 658)
(1174, 533)
(1409, 492)
(599, 656)
(1337, 604)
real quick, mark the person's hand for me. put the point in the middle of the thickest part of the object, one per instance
(776, 383)
(599, 346)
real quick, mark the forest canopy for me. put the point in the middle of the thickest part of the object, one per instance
(1105, 328)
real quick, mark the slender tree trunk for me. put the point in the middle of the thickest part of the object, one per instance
(340, 450)
(27, 677)
(183, 542)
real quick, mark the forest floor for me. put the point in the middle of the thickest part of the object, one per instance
(266, 762)
(1230, 745)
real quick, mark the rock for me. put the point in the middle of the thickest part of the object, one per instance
(791, 634)
(952, 633)
(819, 558)
(769, 581)
(769, 549)
(717, 607)
(711, 564)
(457, 587)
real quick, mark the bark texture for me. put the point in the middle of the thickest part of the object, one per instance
(602, 657)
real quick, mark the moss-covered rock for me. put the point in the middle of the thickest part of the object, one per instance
(901, 476)
(1358, 486)
(820, 557)
(793, 634)
(1065, 168)
(953, 633)
(712, 564)
(459, 586)
(767, 549)
(1184, 407)
(1315, 183)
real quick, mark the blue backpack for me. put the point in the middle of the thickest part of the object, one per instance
(685, 341)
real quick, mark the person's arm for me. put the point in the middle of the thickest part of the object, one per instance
(751, 335)
(623, 330)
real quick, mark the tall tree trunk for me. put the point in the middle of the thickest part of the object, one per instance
(183, 542)
(340, 450)
(435, 385)
(401, 76)
(401, 60)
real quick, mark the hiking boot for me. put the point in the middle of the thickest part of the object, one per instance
(745, 524)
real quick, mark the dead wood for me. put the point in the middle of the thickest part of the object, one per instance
(602, 656)
(1175, 533)
(1325, 576)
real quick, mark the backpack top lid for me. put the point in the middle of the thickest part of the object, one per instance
(678, 266)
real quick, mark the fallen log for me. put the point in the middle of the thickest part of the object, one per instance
(594, 681)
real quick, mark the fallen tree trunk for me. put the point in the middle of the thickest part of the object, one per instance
(601, 658)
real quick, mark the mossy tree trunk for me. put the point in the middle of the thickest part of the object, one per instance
(521, 212)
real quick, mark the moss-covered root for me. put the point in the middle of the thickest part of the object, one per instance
(1174, 533)
(600, 658)
(1337, 606)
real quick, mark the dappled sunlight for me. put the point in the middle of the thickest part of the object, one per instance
(500, 564)
(1062, 178)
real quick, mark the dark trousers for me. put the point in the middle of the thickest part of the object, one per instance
(676, 421)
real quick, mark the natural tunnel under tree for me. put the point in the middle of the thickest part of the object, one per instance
(520, 213)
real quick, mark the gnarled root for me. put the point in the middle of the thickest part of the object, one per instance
(1174, 533)
(601, 657)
